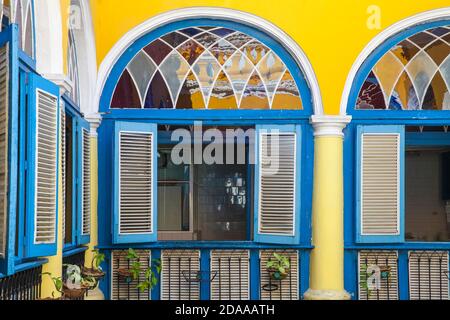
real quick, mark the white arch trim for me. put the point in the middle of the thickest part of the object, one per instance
(210, 12)
(382, 37)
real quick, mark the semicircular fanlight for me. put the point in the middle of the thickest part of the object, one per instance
(206, 67)
(413, 75)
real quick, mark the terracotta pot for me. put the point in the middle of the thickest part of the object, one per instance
(72, 294)
(93, 273)
(125, 275)
(277, 275)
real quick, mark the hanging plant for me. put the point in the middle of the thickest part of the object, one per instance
(278, 267)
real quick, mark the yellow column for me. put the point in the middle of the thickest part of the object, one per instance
(54, 265)
(327, 257)
(95, 294)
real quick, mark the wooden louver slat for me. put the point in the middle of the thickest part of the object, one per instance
(231, 273)
(46, 167)
(179, 274)
(380, 183)
(136, 174)
(287, 289)
(428, 275)
(386, 288)
(120, 288)
(4, 120)
(277, 175)
(86, 184)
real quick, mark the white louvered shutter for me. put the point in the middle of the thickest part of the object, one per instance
(120, 288)
(42, 174)
(380, 192)
(378, 275)
(86, 183)
(230, 271)
(277, 184)
(287, 289)
(428, 275)
(63, 167)
(180, 275)
(46, 169)
(4, 149)
(136, 182)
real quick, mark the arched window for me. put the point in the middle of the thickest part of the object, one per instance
(22, 14)
(414, 74)
(72, 64)
(207, 67)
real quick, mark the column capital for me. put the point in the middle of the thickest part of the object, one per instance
(94, 120)
(62, 81)
(328, 125)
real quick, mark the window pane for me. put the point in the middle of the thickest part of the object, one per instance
(173, 193)
(222, 202)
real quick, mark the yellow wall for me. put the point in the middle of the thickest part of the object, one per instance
(332, 33)
(65, 4)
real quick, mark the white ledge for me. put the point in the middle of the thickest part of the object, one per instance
(329, 125)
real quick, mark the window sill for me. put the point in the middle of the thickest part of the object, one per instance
(402, 246)
(207, 245)
(73, 250)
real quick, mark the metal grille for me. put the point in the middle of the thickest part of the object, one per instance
(378, 275)
(428, 275)
(287, 289)
(4, 110)
(136, 174)
(123, 289)
(63, 167)
(180, 275)
(25, 285)
(231, 274)
(86, 206)
(46, 168)
(277, 183)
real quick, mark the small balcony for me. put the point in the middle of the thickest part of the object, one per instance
(210, 274)
(399, 274)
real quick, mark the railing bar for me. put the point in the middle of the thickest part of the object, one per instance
(179, 278)
(170, 278)
(429, 278)
(190, 259)
(229, 278)
(240, 278)
(290, 279)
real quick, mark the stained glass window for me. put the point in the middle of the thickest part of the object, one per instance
(412, 75)
(206, 68)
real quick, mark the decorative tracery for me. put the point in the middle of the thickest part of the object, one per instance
(413, 75)
(207, 68)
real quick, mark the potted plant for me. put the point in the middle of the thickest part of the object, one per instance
(95, 271)
(76, 286)
(58, 283)
(132, 273)
(278, 266)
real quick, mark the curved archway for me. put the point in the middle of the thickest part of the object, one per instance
(209, 13)
(373, 51)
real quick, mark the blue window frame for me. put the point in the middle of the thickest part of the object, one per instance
(133, 118)
(29, 235)
(74, 215)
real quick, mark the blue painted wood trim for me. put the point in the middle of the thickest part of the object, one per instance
(304, 266)
(280, 239)
(137, 238)
(403, 275)
(74, 251)
(140, 43)
(380, 129)
(255, 275)
(370, 62)
(205, 245)
(205, 266)
(10, 37)
(427, 139)
(156, 291)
